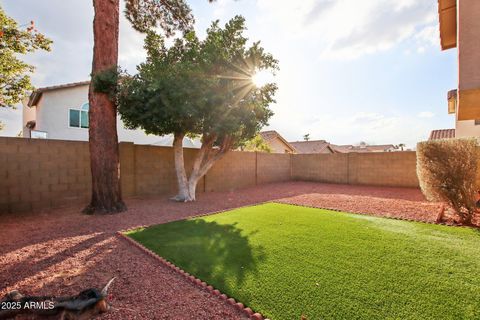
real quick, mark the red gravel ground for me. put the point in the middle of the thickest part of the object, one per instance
(62, 252)
(394, 208)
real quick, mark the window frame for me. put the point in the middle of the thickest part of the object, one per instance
(79, 109)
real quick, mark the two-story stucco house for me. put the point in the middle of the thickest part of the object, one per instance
(460, 28)
(61, 112)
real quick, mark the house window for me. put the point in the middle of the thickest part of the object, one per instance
(78, 118)
(477, 122)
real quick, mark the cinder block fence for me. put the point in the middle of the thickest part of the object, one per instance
(43, 174)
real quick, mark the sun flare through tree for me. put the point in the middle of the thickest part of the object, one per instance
(210, 88)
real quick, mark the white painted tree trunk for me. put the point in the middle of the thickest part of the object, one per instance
(204, 160)
(182, 181)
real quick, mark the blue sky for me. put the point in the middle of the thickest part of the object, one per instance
(351, 70)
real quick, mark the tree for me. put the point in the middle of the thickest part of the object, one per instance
(103, 140)
(170, 15)
(306, 137)
(401, 146)
(15, 40)
(203, 88)
(257, 144)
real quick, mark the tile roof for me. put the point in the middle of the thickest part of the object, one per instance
(312, 146)
(442, 134)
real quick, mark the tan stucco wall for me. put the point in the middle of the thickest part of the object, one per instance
(468, 33)
(468, 44)
(466, 129)
(278, 146)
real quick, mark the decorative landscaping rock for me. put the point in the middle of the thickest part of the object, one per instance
(196, 281)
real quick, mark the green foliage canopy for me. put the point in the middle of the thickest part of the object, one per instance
(14, 73)
(200, 87)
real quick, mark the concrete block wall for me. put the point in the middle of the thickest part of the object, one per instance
(153, 169)
(332, 168)
(37, 174)
(393, 169)
(273, 167)
(43, 174)
(234, 171)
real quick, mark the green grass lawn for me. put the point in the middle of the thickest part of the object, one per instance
(285, 261)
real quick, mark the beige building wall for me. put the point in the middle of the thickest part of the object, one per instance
(52, 116)
(278, 146)
(52, 111)
(466, 129)
(468, 35)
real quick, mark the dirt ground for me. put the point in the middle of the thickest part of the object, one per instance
(62, 252)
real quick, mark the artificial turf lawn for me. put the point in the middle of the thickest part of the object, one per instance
(285, 261)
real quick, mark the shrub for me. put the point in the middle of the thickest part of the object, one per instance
(447, 171)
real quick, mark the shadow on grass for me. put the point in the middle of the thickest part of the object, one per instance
(217, 253)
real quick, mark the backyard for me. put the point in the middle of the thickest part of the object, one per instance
(62, 251)
(286, 261)
(228, 160)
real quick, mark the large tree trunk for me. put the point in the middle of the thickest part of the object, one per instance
(204, 160)
(103, 140)
(183, 194)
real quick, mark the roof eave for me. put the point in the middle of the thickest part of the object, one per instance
(34, 98)
(37, 94)
(447, 13)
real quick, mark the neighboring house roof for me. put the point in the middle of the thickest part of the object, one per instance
(343, 148)
(315, 146)
(37, 94)
(272, 134)
(442, 134)
(364, 148)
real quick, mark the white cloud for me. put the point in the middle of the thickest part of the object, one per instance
(430, 35)
(348, 29)
(221, 9)
(426, 114)
(12, 121)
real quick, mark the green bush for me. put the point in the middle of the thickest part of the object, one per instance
(447, 172)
